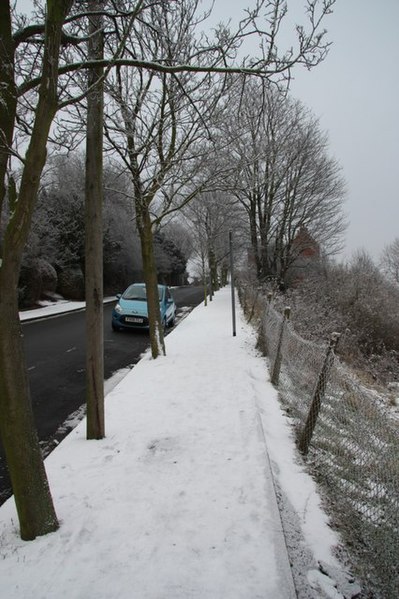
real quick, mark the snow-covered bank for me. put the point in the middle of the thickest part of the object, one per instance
(53, 308)
(178, 500)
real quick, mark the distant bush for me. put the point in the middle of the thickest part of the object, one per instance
(29, 286)
(48, 276)
(37, 277)
(71, 283)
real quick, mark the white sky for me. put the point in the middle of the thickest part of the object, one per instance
(355, 93)
(178, 500)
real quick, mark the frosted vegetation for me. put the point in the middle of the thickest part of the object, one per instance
(344, 412)
(357, 300)
(54, 258)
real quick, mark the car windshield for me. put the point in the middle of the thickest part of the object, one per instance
(135, 292)
(138, 292)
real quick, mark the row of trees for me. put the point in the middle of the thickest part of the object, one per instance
(275, 181)
(286, 181)
(278, 182)
(168, 88)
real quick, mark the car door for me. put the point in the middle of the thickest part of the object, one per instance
(169, 304)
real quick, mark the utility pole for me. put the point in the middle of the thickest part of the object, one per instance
(94, 230)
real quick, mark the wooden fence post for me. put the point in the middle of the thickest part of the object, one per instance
(307, 433)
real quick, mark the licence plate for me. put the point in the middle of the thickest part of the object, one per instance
(133, 319)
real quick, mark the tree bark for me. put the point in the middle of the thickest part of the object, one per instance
(28, 477)
(151, 281)
(8, 104)
(213, 272)
(94, 235)
(23, 454)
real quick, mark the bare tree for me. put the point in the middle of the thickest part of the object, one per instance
(221, 51)
(390, 260)
(32, 496)
(284, 179)
(157, 125)
(211, 216)
(32, 104)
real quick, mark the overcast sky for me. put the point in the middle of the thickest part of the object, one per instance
(355, 93)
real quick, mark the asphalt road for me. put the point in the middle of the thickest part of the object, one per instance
(55, 358)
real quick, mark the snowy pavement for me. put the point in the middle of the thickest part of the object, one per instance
(178, 501)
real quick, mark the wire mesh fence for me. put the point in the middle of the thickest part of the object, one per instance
(352, 442)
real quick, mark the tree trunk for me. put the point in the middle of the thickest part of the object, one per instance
(94, 235)
(254, 239)
(8, 102)
(204, 277)
(28, 477)
(24, 459)
(213, 272)
(151, 281)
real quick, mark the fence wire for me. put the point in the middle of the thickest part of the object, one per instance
(354, 449)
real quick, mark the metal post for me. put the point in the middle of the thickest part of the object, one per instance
(233, 308)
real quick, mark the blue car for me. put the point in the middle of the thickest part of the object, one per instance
(131, 311)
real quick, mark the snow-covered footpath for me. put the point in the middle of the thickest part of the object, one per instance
(178, 501)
